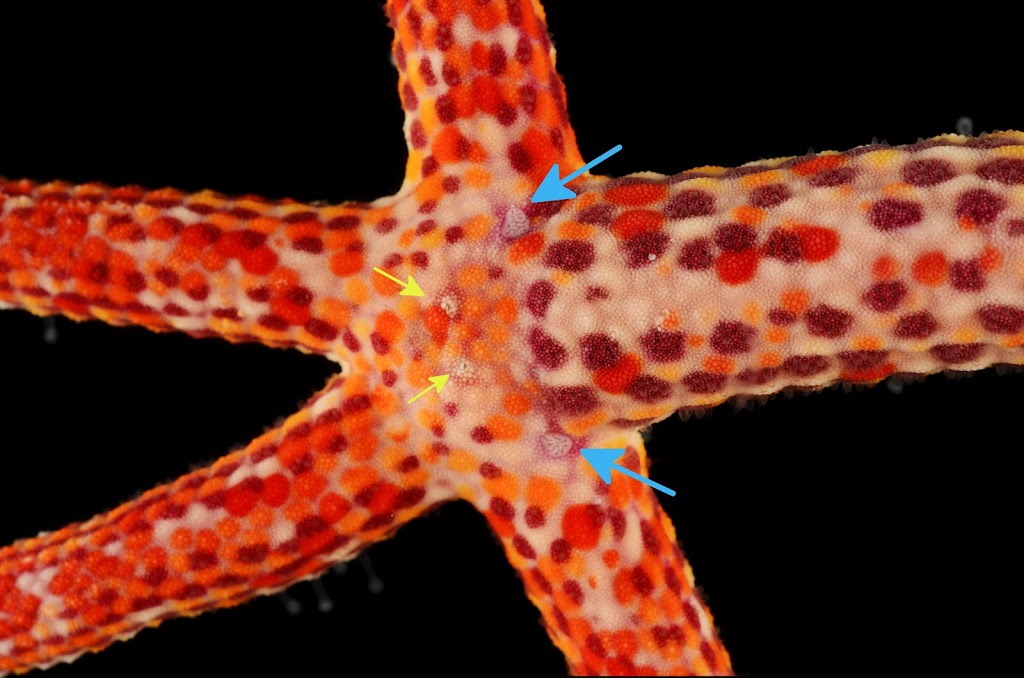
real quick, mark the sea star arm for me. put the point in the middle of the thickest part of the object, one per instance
(602, 564)
(244, 269)
(335, 477)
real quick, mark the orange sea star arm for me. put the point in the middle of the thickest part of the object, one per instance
(333, 478)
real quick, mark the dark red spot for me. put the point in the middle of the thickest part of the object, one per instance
(300, 296)
(519, 158)
(826, 321)
(599, 351)
(1002, 319)
(980, 206)
(310, 526)
(1009, 171)
(805, 365)
(957, 353)
(547, 351)
(885, 296)
(704, 382)
(770, 195)
(310, 244)
(833, 177)
(534, 517)
(321, 329)
(489, 470)
(453, 234)
(481, 434)
(758, 377)
(784, 245)
(735, 237)
(649, 389)
(379, 343)
(779, 316)
(641, 582)
(201, 560)
(560, 550)
(420, 259)
(388, 377)
(663, 346)
(862, 360)
(502, 508)
(690, 203)
(916, 326)
(539, 296)
(731, 337)
(521, 545)
(1015, 228)
(594, 293)
(644, 248)
(695, 255)
(597, 215)
(573, 590)
(928, 172)
(572, 400)
(966, 275)
(570, 255)
(889, 214)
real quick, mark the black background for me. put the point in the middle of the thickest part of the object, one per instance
(840, 532)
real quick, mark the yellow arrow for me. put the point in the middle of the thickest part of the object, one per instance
(411, 288)
(435, 382)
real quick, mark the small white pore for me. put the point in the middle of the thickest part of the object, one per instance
(449, 304)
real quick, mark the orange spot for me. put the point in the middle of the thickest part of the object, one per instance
(309, 485)
(616, 379)
(526, 248)
(505, 309)
(610, 559)
(503, 428)
(818, 164)
(624, 643)
(462, 97)
(719, 364)
(485, 93)
(581, 525)
(770, 360)
(874, 374)
(436, 322)
(449, 145)
(930, 268)
(542, 153)
(633, 222)
(622, 586)
(867, 343)
(344, 264)
(736, 268)
(817, 243)
(991, 259)
(389, 326)
(472, 276)
(516, 404)
(794, 300)
(885, 268)
(751, 216)
(636, 195)
(543, 492)
(775, 335)
(485, 17)
(694, 340)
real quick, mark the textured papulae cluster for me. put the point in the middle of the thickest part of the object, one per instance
(563, 325)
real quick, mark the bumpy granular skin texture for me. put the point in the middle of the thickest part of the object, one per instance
(563, 325)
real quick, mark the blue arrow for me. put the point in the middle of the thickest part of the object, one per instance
(603, 461)
(553, 188)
